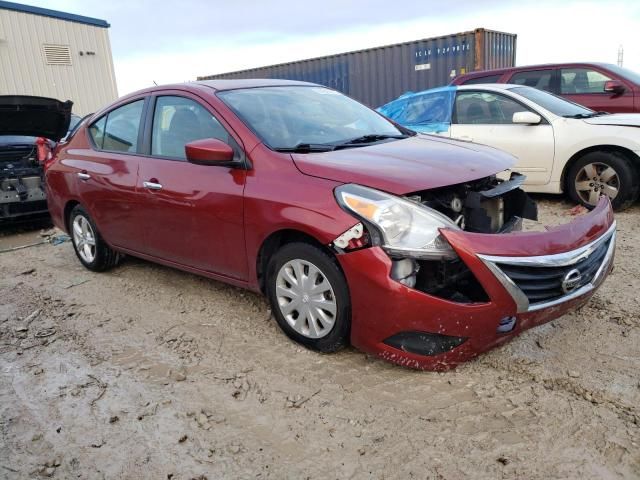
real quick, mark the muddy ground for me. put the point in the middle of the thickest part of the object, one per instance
(148, 372)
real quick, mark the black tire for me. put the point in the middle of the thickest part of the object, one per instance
(338, 335)
(105, 257)
(627, 184)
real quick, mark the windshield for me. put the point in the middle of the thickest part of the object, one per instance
(548, 101)
(16, 140)
(625, 73)
(287, 117)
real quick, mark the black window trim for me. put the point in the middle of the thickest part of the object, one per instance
(454, 116)
(242, 162)
(145, 105)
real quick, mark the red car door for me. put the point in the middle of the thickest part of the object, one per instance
(106, 173)
(585, 86)
(193, 214)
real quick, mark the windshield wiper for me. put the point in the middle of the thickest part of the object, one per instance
(307, 148)
(586, 115)
(370, 138)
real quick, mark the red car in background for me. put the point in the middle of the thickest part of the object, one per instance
(356, 229)
(598, 86)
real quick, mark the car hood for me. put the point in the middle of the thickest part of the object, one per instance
(417, 163)
(621, 119)
(34, 116)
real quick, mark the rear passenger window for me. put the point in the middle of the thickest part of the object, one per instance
(581, 80)
(540, 79)
(121, 130)
(178, 121)
(487, 79)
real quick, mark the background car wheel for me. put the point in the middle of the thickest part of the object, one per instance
(309, 297)
(603, 173)
(91, 249)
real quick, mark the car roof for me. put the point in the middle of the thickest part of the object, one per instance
(221, 85)
(489, 86)
(483, 73)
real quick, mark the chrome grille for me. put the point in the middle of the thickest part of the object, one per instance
(542, 281)
(541, 284)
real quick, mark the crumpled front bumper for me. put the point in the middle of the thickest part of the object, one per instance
(383, 307)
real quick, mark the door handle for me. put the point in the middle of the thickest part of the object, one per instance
(83, 176)
(464, 138)
(152, 185)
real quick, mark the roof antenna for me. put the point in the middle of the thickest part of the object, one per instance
(154, 82)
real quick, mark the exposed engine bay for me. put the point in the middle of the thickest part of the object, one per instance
(488, 205)
(21, 184)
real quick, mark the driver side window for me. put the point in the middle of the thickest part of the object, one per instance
(178, 121)
(486, 108)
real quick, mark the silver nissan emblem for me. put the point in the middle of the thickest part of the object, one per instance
(571, 280)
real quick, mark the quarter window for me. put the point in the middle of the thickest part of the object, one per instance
(178, 121)
(96, 130)
(581, 80)
(484, 108)
(118, 130)
(540, 79)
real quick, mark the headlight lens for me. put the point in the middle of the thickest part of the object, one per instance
(408, 229)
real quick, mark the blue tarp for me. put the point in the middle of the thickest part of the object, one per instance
(429, 111)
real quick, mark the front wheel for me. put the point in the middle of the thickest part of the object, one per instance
(309, 297)
(603, 173)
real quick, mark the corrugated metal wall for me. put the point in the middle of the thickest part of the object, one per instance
(378, 75)
(89, 81)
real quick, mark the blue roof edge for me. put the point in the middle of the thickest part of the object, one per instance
(45, 12)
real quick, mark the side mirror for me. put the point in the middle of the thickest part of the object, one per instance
(208, 151)
(614, 86)
(526, 118)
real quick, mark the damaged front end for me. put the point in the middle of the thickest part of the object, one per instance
(29, 128)
(438, 276)
(427, 262)
(21, 183)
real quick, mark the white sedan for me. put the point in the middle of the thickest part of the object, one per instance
(560, 146)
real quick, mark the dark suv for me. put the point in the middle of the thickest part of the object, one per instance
(598, 86)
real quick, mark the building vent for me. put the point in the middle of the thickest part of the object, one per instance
(57, 54)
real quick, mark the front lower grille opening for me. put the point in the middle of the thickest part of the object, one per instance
(451, 280)
(544, 284)
(424, 343)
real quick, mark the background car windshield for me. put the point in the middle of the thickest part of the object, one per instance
(284, 117)
(552, 103)
(625, 73)
(16, 139)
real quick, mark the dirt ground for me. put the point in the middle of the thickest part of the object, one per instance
(148, 372)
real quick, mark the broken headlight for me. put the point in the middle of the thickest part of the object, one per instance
(407, 229)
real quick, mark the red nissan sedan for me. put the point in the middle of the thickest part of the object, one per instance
(356, 229)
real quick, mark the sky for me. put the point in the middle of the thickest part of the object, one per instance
(174, 41)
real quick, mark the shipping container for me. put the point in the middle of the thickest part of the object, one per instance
(378, 75)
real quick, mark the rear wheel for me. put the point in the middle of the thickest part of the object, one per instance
(603, 173)
(309, 297)
(90, 248)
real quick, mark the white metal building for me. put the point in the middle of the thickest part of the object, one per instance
(56, 54)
